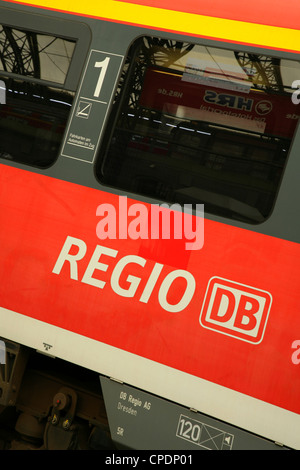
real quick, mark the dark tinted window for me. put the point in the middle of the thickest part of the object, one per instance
(34, 105)
(193, 124)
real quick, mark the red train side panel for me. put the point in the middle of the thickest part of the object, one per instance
(206, 313)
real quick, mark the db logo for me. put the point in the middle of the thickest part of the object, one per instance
(235, 310)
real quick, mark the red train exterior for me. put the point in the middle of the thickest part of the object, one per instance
(208, 320)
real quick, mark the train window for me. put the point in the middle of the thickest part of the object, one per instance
(34, 104)
(196, 124)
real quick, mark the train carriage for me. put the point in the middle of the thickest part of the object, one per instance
(149, 225)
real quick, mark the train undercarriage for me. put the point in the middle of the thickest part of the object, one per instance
(49, 404)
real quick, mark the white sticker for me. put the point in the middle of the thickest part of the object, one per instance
(2, 92)
(2, 352)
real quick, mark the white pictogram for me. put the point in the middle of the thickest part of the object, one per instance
(84, 109)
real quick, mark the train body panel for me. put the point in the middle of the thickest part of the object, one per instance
(205, 317)
(235, 24)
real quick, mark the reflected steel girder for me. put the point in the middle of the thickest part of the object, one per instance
(19, 52)
(264, 71)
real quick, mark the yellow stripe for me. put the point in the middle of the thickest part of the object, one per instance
(229, 30)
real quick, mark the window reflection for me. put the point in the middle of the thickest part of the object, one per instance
(33, 115)
(34, 54)
(193, 124)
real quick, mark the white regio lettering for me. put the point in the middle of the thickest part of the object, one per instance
(95, 265)
(89, 277)
(72, 259)
(187, 296)
(133, 280)
(151, 282)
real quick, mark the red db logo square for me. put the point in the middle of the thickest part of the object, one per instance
(235, 309)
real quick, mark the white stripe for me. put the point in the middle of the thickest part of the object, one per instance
(269, 421)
